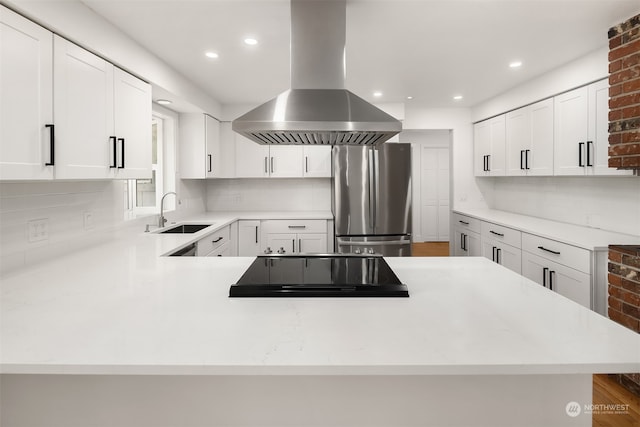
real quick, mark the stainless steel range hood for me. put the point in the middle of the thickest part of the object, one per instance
(317, 110)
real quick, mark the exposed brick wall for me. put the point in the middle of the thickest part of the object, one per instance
(624, 297)
(624, 95)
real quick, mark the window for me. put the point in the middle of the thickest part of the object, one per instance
(142, 196)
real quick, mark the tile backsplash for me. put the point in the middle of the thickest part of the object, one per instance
(275, 194)
(39, 219)
(610, 203)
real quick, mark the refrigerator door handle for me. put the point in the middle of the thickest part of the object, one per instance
(376, 187)
(371, 189)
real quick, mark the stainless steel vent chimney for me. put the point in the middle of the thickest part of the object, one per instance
(317, 110)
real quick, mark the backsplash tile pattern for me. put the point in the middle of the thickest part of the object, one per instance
(63, 205)
(275, 194)
(624, 95)
(609, 203)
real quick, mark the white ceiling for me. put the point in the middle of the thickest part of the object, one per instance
(428, 49)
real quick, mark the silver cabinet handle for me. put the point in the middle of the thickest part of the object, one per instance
(306, 164)
(266, 170)
(272, 165)
(300, 245)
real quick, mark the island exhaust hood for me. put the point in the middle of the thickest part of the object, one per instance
(317, 110)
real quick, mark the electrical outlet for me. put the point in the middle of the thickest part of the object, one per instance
(88, 220)
(38, 230)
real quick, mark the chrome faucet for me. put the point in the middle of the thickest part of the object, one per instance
(162, 220)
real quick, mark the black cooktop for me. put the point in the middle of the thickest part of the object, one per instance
(319, 276)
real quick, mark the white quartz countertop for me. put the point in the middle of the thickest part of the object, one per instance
(120, 308)
(583, 237)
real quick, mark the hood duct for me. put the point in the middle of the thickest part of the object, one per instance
(317, 110)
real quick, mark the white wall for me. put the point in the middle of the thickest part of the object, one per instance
(611, 203)
(276, 194)
(587, 69)
(465, 189)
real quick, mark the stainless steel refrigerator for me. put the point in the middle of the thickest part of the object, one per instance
(372, 199)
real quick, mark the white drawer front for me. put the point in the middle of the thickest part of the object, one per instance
(213, 241)
(466, 223)
(502, 234)
(295, 226)
(570, 256)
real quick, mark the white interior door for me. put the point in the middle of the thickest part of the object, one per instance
(434, 194)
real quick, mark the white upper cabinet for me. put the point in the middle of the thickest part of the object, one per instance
(26, 98)
(132, 109)
(200, 146)
(539, 161)
(598, 131)
(252, 159)
(317, 161)
(66, 113)
(489, 147)
(581, 135)
(529, 140)
(261, 161)
(285, 161)
(86, 144)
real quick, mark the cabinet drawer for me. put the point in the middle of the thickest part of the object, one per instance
(212, 241)
(502, 234)
(224, 250)
(295, 226)
(466, 223)
(570, 256)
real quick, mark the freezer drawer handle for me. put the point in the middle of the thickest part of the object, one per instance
(548, 250)
(384, 243)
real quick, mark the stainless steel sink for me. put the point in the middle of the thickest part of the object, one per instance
(186, 228)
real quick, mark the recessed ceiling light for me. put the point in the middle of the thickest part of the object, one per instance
(457, 97)
(163, 101)
(377, 94)
(250, 41)
(212, 55)
(409, 97)
(515, 64)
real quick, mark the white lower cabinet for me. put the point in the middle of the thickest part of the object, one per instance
(294, 236)
(212, 244)
(248, 238)
(503, 254)
(467, 236)
(224, 250)
(467, 243)
(559, 278)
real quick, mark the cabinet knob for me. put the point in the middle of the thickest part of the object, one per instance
(268, 251)
(281, 250)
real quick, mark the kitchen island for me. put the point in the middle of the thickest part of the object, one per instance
(117, 335)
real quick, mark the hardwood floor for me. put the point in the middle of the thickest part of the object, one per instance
(605, 389)
(430, 249)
